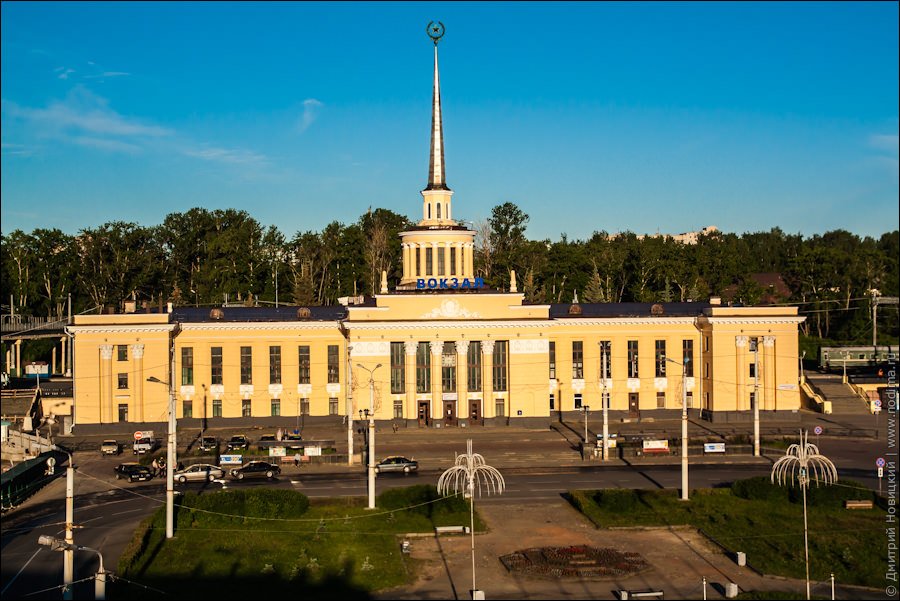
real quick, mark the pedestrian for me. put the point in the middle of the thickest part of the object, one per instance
(155, 467)
(296, 460)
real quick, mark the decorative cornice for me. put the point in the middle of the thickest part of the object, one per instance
(451, 309)
(267, 325)
(118, 329)
(755, 320)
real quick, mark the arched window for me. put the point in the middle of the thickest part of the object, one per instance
(429, 210)
(439, 210)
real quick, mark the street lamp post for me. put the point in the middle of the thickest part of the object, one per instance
(56, 544)
(802, 378)
(684, 427)
(370, 414)
(170, 456)
(807, 458)
(585, 408)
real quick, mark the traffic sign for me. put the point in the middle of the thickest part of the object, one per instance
(818, 430)
(880, 462)
(877, 402)
(881, 472)
(138, 435)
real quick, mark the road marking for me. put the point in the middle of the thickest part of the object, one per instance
(19, 572)
(129, 511)
(297, 483)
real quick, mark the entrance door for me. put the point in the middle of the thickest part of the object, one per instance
(424, 414)
(634, 409)
(474, 413)
(449, 413)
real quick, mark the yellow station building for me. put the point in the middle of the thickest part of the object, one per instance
(437, 350)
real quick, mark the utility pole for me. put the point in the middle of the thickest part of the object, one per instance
(69, 553)
(604, 400)
(754, 343)
(371, 430)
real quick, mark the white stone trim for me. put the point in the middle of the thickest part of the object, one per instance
(437, 347)
(106, 351)
(268, 325)
(378, 348)
(217, 390)
(768, 341)
(740, 341)
(529, 346)
(634, 384)
(117, 329)
(411, 347)
(660, 384)
(246, 390)
(578, 386)
(137, 351)
(304, 389)
(450, 309)
(187, 391)
(333, 389)
(756, 320)
(276, 390)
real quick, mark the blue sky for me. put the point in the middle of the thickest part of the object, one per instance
(610, 116)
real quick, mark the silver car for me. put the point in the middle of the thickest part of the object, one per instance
(201, 472)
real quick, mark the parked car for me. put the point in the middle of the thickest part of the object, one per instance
(145, 445)
(209, 443)
(396, 464)
(238, 442)
(268, 441)
(256, 469)
(132, 472)
(110, 447)
(200, 472)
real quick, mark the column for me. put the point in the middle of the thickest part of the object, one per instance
(487, 377)
(53, 361)
(18, 348)
(421, 251)
(462, 381)
(767, 385)
(740, 343)
(437, 389)
(434, 260)
(470, 263)
(412, 407)
(447, 250)
(63, 344)
(137, 353)
(105, 391)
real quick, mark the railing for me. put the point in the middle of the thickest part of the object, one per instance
(820, 404)
(863, 394)
(11, 324)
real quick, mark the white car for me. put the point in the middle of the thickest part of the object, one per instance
(200, 472)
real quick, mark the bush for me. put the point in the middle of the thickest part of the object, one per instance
(255, 502)
(618, 501)
(831, 495)
(759, 488)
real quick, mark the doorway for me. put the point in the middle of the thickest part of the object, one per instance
(449, 413)
(424, 414)
(475, 412)
(634, 407)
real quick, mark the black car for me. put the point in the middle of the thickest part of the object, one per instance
(238, 442)
(209, 443)
(133, 471)
(256, 469)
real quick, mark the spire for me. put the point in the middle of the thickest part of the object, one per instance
(436, 176)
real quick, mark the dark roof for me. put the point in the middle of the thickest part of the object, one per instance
(249, 314)
(562, 311)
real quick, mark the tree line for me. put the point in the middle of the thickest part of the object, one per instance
(203, 257)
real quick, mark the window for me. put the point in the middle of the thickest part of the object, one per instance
(552, 360)
(304, 364)
(660, 358)
(578, 401)
(429, 256)
(500, 366)
(398, 368)
(274, 365)
(687, 358)
(419, 261)
(500, 407)
(448, 367)
(246, 365)
(217, 407)
(215, 363)
(334, 363)
(123, 381)
(473, 366)
(660, 400)
(577, 360)
(276, 407)
(122, 352)
(187, 366)
(304, 406)
(398, 409)
(438, 210)
(187, 409)
(605, 359)
(632, 358)
(423, 368)
(442, 252)
(753, 370)
(754, 344)
(706, 344)
(690, 400)
(552, 401)
(452, 261)
(246, 410)
(333, 406)
(123, 412)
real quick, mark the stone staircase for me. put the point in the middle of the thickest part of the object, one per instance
(843, 400)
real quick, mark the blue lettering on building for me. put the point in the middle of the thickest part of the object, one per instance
(449, 283)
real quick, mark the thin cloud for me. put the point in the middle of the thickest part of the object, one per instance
(106, 144)
(311, 108)
(888, 157)
(108, 74)
(17, 150)
(63, 72)
(227, 155)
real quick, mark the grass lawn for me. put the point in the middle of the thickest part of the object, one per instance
(765, 522)
(334, 549)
